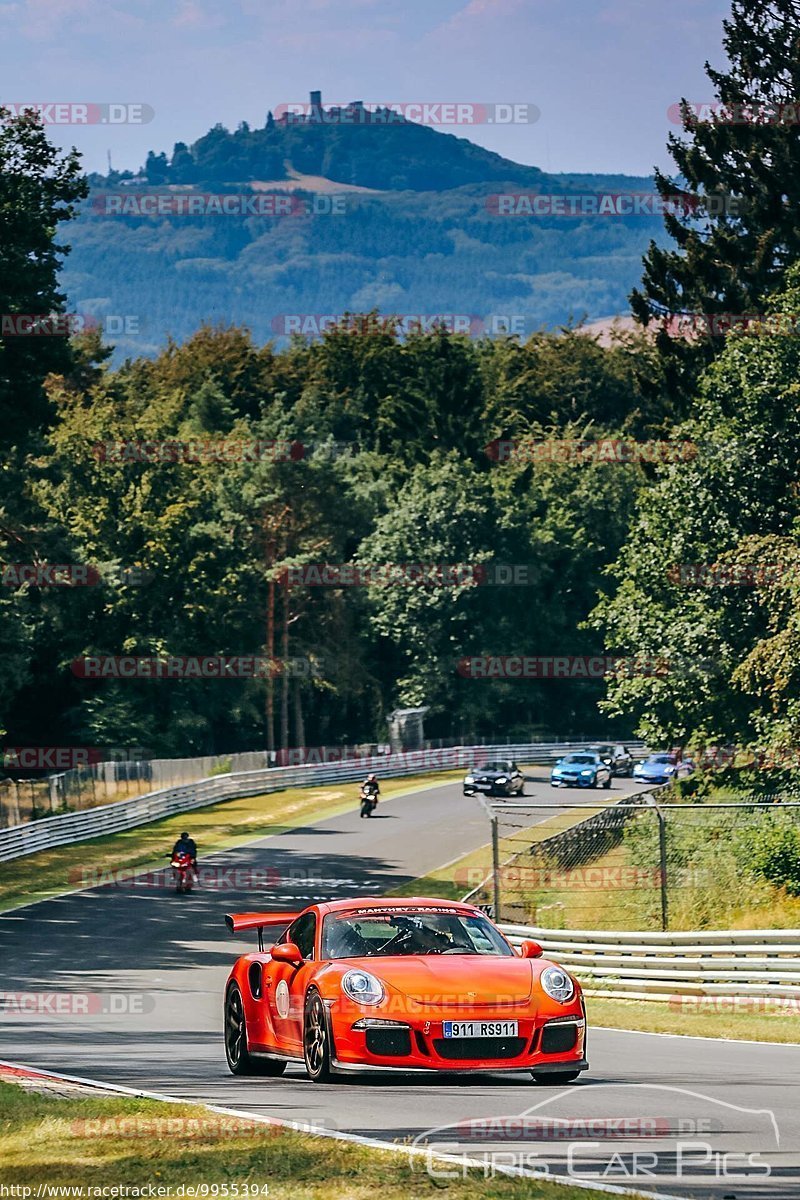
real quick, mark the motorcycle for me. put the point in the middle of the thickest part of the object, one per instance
(369, 801)
(183, 871)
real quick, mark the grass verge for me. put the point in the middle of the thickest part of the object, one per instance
(454, 879)
(698, 1016)
(221, 826)
(92, 1142)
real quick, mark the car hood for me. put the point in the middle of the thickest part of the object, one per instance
(453, 979)
(488, 774)
(576, 768)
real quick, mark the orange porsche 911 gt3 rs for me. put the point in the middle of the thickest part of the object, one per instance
(403, 984)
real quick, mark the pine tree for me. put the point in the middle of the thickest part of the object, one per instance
(737, 229)
(40, 187)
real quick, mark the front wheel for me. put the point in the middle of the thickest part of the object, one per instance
(366, 808)
(607, 783)
(317, 1041)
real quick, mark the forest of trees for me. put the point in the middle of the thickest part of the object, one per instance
(397, 467)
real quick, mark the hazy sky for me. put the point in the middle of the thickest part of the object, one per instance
(602, 72)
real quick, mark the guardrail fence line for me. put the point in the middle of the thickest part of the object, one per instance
(622, 964)
(48, 832)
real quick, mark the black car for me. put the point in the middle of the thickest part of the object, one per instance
(501, 777)
(619, 758)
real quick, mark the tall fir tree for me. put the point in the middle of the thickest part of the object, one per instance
(39, 188)
(737, 229)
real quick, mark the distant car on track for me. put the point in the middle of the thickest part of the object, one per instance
(619, 758)
(399, 984)
(583, 768)
(502, 777)
(662, 768)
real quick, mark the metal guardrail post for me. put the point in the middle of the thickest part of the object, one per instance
(496, 866)
(662, 854)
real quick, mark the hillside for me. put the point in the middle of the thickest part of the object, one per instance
(382, 151)
(297, 223)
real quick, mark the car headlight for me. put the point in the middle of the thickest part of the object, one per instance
(586, 771)
(668, 770)
(502, 779)
(558, 984)
(363, 987)
(469, 779)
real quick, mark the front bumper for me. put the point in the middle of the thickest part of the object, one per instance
(417, 1044)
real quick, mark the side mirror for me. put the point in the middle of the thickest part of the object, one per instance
(287, 952)
(530, 949)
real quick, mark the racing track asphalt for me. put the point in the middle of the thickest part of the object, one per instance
(162, 960)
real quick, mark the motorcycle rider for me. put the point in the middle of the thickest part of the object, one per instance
(186, 845)
(371, 787)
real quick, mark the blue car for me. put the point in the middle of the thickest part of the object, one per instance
(661, 768)
(584, 769)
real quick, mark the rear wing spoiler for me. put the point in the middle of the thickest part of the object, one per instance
(237, 922)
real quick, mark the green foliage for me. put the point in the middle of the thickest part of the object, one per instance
(39, 188)
(730, 257)
(734, 505)
(222, 768)
(771, 851)
(397, 471)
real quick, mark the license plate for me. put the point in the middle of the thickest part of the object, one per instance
(484, 787)
(479, 1029)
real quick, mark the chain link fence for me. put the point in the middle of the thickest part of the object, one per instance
(648, 862)
(30, 799)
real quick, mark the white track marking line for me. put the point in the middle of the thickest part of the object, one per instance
(693, 1037)
(336, 1135)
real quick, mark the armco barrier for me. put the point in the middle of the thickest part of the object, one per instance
(65, 828)
(738, 963)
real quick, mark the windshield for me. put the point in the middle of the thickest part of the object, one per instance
(661, 758)
(580, 758)
(377, 933)
(494, 766)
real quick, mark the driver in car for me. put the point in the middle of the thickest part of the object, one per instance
(414, 937)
